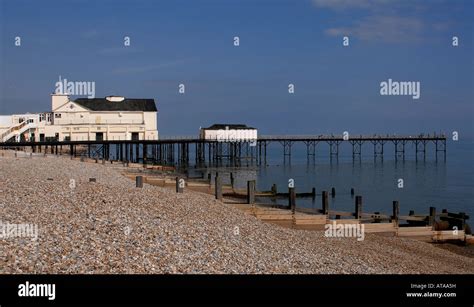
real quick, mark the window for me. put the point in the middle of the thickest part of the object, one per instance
(57, 115)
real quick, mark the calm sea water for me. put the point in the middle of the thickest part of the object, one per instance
(443, 184)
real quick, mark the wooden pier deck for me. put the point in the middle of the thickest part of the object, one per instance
(182, 150)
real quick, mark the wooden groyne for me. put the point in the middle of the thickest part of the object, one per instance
(430, 227)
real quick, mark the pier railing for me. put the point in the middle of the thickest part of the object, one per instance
(353, 137)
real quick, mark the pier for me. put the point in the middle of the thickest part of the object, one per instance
(180, 151)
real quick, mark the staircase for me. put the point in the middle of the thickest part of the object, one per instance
(15, 131)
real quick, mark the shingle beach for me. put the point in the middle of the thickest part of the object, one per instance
(110, 226)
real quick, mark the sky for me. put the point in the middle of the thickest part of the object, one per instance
(336, 87)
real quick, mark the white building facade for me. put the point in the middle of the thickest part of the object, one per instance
(109, 118)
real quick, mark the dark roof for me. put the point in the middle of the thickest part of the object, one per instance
(231, 126)
(128, 104)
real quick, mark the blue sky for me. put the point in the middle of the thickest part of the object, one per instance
(281, 42)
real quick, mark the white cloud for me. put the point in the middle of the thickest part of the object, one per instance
(350, 4)
(392, 21)
(119, 50)
(142, 69)
(391, 29)
(90, 34)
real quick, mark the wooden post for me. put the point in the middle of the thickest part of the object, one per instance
(463, 220)
(218, 187)
(396, 212)
(333, 192)
(179, 185)
(139, 181)
(232, 180)
(313, 193)
(377, 220)
(251, 192)
(432, 217)
(325, 202)
(274, 189)
(291, 199)
(358, 207)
